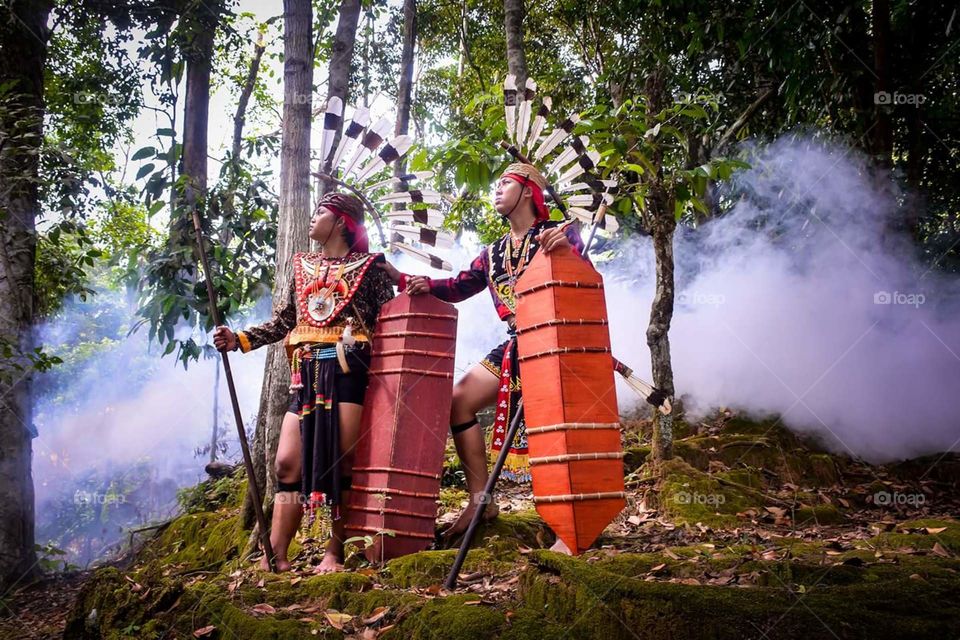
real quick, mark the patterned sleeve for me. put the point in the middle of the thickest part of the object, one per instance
(465, 284)
(382, 288)
(274, 329)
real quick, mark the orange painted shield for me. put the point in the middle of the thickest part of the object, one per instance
(569, 397)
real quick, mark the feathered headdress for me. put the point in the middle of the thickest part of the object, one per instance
(566, 161)
(357, 164)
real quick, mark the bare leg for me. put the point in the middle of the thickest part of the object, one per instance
(287, 509)
(476, 390)
(350, 414)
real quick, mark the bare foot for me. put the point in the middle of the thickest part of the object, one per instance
(282, 564)
(331, 563)
(560, 547)
(462, 523)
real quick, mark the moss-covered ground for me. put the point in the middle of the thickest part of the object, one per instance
(748, 533)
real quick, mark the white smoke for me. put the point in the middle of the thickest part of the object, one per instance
(801, 301)
(116, 422)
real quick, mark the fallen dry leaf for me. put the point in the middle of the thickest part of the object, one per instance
(336, 619)
(204, 631)
(263, 608)
(939, 550)
(377, 615)
(934, 530)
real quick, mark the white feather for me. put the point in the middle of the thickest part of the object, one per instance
(334, 106)
(556, 136)
(434, 217)
(429, 196)
(587, 217)
(583, 186)
(539, 122)
(381, 128)
(510, 111)
(444, 240)
(400, 143)
(567, 156)
(523, 119)
(421, 175)
(361, 116)
(576, 169)
(586, 200)
(422, 256)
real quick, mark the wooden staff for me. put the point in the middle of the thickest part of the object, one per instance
(485, 499)
(247, 460)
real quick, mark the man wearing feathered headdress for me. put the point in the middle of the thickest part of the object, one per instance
(495, 380)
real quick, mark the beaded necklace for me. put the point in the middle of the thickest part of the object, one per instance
(514, 272)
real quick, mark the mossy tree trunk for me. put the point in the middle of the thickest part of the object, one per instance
(23, 46)
(292, 227)
(662, 222)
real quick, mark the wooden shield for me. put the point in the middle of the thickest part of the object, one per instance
(569, 397)
(406, 416)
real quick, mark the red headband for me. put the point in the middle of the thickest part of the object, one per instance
(360, 241)
(538, 202)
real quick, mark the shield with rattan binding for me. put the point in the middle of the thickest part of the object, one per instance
(569, 397)
(398, 460)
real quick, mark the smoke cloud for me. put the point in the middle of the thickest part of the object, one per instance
(802, 301)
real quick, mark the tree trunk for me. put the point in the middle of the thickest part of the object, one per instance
(882, 132)
(405, 86)
(292, 224)
(513, 14)
(240, 118)
(23, 47)
(662, 223)
(338, 82)
(197, 105)
(199, 22)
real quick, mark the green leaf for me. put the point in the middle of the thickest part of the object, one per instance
(144, 152)
(145, 169)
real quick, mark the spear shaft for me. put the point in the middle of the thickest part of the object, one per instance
(228, 374)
